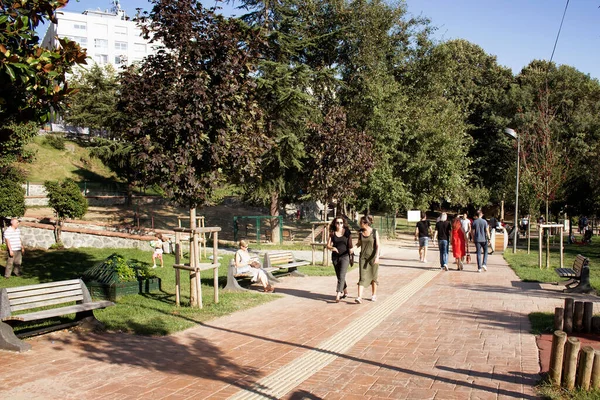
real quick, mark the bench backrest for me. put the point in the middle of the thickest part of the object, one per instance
(42, 295)
(580, 262)
(278, 258)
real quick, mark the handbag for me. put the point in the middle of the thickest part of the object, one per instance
(351, 260)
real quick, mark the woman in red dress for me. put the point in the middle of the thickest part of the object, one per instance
(458, 243)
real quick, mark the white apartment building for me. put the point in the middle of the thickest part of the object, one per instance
(109, 36)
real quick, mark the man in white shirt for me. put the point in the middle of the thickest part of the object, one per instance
(12, 237)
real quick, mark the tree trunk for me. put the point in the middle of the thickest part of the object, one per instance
(129, 198)
(547, 237)
(193, 257)
(58, 231)
(274, 212)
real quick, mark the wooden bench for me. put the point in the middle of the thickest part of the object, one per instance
(27, 298)
(580, 274)
(284, 259)
(273, 261)
(233, 274)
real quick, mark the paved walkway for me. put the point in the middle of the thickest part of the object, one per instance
(431, 334)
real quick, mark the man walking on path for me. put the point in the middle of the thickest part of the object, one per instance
(481, 234)
(443, 230)
(12, 236)
(422, 234)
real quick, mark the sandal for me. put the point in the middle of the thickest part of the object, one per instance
(344, 296)
(337, 298)
(358, 300)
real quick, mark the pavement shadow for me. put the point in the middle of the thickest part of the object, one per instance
(198, 359)
(529, 289)
(202, 359)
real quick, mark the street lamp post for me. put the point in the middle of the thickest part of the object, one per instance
(514, 135)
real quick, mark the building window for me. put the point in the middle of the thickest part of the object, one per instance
(101, 59)
(139, 47)
(120, 60)
(81, 26)
(121, 46)
(120, 30)
(101, 44)
(80, 40)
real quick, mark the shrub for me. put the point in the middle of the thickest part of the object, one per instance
(116, 268)
(55, 141)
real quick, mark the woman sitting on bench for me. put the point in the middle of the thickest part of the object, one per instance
(246, 265)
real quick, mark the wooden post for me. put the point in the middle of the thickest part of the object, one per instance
(560, 232)
(578, 317)
(312, 240)
(193, 258)
(540, 238)
(197, 271)
(596, 370)
(595, 324)
(177, 272)
(556, 356)
(325, 240)
(529, 235)
(570, 367)
(588, 313)
(216, 269)
(559, 313)
(568, 320)
(584, 374)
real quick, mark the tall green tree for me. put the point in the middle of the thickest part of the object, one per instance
(94, 104)
(285, 93)
(32, 79)
(464, 74)
(574, 101)
(67, 201)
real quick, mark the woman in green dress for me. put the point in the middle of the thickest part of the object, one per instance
(368, 241)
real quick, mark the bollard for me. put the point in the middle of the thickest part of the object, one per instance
(570, 367)
(556, 356)
(588, 313)
(578, 317)
(596, 370)
(584, 373)
(558, 318)
(568, 320)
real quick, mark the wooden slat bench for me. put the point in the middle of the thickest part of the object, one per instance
(579, 274)
(284, 259)
(233, 274)
(25, 298)
(273, 261)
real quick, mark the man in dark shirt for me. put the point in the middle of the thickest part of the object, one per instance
(481, 235)
(422, 233)
(443, 231)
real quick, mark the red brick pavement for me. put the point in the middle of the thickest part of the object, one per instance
(465, 335)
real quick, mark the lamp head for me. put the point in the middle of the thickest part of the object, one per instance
(511, 132)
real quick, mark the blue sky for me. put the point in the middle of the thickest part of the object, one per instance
(515, 31)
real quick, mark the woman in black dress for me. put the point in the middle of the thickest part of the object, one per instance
(340, 244)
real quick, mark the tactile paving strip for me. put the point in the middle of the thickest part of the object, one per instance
(279, 383)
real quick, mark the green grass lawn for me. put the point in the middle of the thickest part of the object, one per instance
(149, 314)
(74, 162)
(526, 265)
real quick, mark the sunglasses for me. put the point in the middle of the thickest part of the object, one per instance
(339, 223)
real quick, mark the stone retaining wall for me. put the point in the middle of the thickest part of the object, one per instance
(42, 236)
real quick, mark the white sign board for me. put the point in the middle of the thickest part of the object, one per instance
(413, 216)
